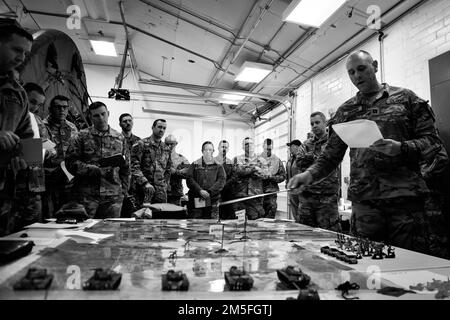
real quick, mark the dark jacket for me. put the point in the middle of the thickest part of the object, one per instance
(209, 177)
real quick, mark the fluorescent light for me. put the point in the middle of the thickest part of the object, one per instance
(253, 72)
(104, 48)
(311, 12)
(229, 97)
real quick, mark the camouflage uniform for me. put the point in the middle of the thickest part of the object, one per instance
(129, 202)
(276, 175)
(151, 162)
(16, 118)
(292, 170)
(131, 140)
(227, 211)
(318, 203)
(175, 187)
(56, 182)
(386, 185)
(101, 196)
(208, 177)
(249, 183)
(433, 172)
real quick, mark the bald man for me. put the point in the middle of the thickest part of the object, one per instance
(386, 186)
(178, 171)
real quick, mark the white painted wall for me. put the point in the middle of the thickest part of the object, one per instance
(190, 131)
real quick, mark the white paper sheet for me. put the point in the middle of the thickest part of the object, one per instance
(68, 174)
(410, 278)
(358, 133)
(82, 236)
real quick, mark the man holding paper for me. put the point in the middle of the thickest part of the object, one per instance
(386, 186)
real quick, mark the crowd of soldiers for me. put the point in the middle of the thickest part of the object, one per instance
(389, 181)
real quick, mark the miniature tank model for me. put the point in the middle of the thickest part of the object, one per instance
(35, 279)
(174, 281)
(103, 279)
(308, 295)
(325, 250)
(293, 278)
(238, 280)
(351, 259)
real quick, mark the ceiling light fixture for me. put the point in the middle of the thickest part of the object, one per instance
(104, 47)
(311, 12)
(232, 99)
(253, 72)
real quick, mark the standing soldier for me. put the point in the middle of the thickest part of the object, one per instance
(249, 168)
(15, 122)
(126, 123)
(178, 171)
(228, 192)
(274, 175)
(292, 170)
(318, 202)
(100, 186)
(61, 131)
(150, 165)
(386, 186)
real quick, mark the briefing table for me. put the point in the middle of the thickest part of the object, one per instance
(143, 250)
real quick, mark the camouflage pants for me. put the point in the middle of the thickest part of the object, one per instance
(29, 207)
(253, 208)
(102, 207)
(317, 210)
(293, 206)
(439, 244)
(397, 221)
(156, 194)
(7, 219)
(211, 212)
(270, 206)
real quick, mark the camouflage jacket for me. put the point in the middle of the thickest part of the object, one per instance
(87, 147)
(276, 173)
(43, 130)
(181, 165)
(401, 116)
(131, 140)
(228, 166)
(14, 116)
(248, 175)
(209, 177)
(291, 167)
(150, 162)
(308, 154)
(60, 135)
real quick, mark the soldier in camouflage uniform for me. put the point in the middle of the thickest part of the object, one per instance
(178, 172)
(31, 182)
(15, 123)
(318, 202)
(292, 170)
(386, 185)
(226, 211)
(274, 175)
(150, 165)
(126, 123)
(248, 169)
(61, 131)
(433, 172)
(99, 188)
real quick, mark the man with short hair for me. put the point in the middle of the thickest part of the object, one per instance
(100, 186)
(318, 202)
(272, 176)
(150, 165)
(228, 192)
(129, 202)
(61, 131)
(178, 171)
(386, 186)
(15, 123)
(249, 168)
(126, 123)
(292, 170)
